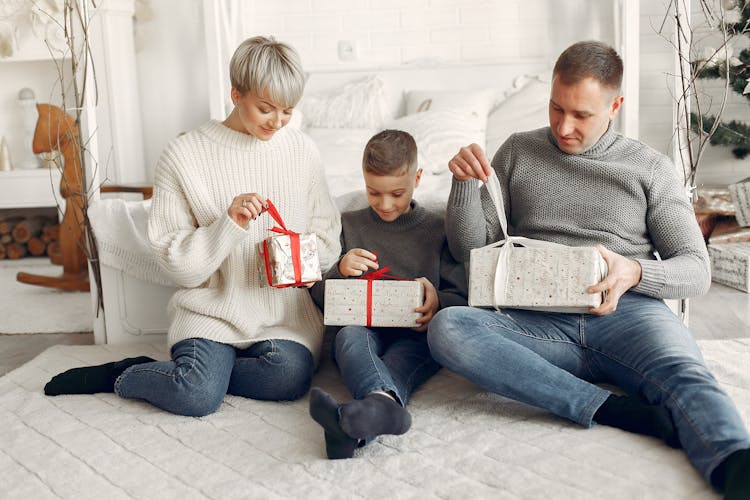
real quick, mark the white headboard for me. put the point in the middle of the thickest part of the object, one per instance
(429, 76)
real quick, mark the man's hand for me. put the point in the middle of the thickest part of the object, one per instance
(623, 275)
(429, 307)
(356, 262)
(470, 163)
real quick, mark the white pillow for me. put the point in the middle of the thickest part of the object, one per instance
(526, 109)
(440, 134)
(472, 101)
(358, 104)
(341, 154)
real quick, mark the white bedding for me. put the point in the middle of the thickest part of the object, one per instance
(464, 443)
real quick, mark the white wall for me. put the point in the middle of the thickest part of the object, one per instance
(171, 64)
(171, 58)
(718, 167)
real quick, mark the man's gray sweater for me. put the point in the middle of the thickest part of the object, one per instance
(620, 193)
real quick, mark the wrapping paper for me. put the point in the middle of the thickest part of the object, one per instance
(531, 274)
(551, 278)
(279, 260)
(741, 198)
(288, 258)
(730, 264)
(392, 302)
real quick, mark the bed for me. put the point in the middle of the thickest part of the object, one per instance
(340, 112)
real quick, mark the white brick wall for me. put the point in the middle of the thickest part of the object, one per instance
(394, 32)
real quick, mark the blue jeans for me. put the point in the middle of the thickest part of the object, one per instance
(553, 360)
(389, 360)
(203, 371)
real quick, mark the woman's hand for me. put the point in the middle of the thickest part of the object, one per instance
(623, 274)
(246, 207)
(356, 262)
(470, 163)
(429, 307)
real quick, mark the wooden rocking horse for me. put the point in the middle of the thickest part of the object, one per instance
(56, 131)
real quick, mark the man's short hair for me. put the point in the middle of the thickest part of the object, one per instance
(590, 59)
(390, 152)
(261, 64)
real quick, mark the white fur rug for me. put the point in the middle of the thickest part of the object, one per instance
(35, 309)
(464, 443)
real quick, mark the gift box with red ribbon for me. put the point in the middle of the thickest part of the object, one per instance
(288, 258)
(373, 301)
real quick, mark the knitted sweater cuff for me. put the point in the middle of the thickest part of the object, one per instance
(653, 278)
(464, 192)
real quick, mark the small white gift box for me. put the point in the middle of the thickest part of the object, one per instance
(288, 258)
(531, 274)
(372, 302)
(740, 192)
(730, 264)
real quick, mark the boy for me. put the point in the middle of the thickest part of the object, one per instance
(382, 367)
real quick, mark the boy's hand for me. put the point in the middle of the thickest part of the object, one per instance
(356, 262)
(246, 207)
(430, 306)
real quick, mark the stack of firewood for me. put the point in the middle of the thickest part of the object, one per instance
(32, 236)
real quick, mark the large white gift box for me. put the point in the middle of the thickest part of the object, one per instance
(531, 274)
(372, 302)
(730, 264)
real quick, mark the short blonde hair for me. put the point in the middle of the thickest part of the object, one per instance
(261, 64)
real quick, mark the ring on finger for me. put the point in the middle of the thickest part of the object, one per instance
(243, 203)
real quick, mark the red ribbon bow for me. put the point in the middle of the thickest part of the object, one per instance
(294, 237)
(372, 276)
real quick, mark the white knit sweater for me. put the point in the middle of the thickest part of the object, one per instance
(213, 259)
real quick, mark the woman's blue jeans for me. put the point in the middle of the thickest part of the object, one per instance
(554, 360)
(391, 360)
(202, 372)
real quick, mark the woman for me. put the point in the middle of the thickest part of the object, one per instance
(228, 333)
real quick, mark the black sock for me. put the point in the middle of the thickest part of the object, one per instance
(733, 476)
(375, 415)
(325, 411)
(91, 379)
(633, 415)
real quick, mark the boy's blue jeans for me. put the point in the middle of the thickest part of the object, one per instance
(392, 360)
(203, 371)
(553, 360)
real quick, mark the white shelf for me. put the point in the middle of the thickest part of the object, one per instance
(38, 187)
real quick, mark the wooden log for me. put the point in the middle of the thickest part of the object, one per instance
(2, 251)
(6, 225)
(36, 246)
(50, 232)
(27, 229)
(15, 251)
(6, 238)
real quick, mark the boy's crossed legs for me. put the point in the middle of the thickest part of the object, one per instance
(381, 368)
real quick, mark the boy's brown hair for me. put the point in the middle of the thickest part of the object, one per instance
(390, 152)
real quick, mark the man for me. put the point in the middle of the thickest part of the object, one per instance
(578, 182)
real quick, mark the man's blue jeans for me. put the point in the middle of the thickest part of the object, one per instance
(553, 360)
(203, 371)
(388, 359)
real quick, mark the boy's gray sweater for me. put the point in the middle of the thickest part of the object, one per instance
(620, 193)
(414, 245)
